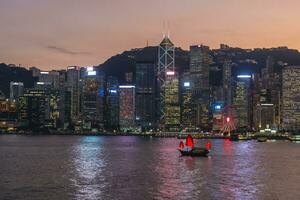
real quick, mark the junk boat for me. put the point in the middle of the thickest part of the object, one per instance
(189, 148)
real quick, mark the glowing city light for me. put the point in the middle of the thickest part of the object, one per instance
(170, 73)
(113, 91)
(89, 69)
(92, 73)
(267, 104)
(244, 76)
(40, 83)
(127, 86)
(228, 119)
(186, 84)
(44, 72)
(218, 107)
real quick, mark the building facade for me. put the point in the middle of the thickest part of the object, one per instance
(291, 98)
(199, 69)
(146, 115)
(127, 107)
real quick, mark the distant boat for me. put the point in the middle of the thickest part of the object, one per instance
(295, 138)
(189, 148)
(238, 137)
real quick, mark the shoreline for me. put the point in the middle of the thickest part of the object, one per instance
(151, 135)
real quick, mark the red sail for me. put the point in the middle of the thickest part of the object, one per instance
(189, 141)
(181, 145)
(208, 145)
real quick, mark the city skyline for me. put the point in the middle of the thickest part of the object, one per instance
(83, 34)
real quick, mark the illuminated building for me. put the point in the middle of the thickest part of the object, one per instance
(112, 104)
(171, 102)
(266, 95)
(241, 101)
(127, 107)
(166, 70)
(39, 108)
(187, 106)
(145, 95)
(199, 70)
(16, 90)
(227, 82)
(72, 86)
(91, 99)
(272, 84)
(291, 98)
(264, 116)
(8, 115)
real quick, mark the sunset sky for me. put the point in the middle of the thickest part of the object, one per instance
(53, 34)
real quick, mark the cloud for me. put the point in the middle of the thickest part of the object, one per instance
(66, 51)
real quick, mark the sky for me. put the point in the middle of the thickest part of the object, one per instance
(53, 34)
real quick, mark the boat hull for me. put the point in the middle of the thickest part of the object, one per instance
(196, 152)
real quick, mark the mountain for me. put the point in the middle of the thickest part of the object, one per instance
(12, 73)
(120, 64)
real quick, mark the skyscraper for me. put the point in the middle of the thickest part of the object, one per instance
(145, 95)
(172, 108)
(199, 69)
(168, 86)
(227, 82)
(72, 86)
(39, 108)
(90, 99)
(16, 90)
(242, 100)
(127, 107)
(112, 104)
(187, 107)
(291, 98)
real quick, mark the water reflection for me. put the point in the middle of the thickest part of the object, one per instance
(139, 168)
(89, 163)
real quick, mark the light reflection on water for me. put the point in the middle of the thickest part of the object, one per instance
(88, 166)
(141, 168)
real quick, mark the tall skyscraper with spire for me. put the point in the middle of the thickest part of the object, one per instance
(168, 86)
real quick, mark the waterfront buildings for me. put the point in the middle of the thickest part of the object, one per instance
(188, 120)
(91, 99)
(72, 86)
(199, 69)
(146, 113)
(291, 98)
(8, 115)
(168, 83)
(127, 107)
(171, 102)
(39, 108)
(242, 100)
(227, 82)
(112, 104)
